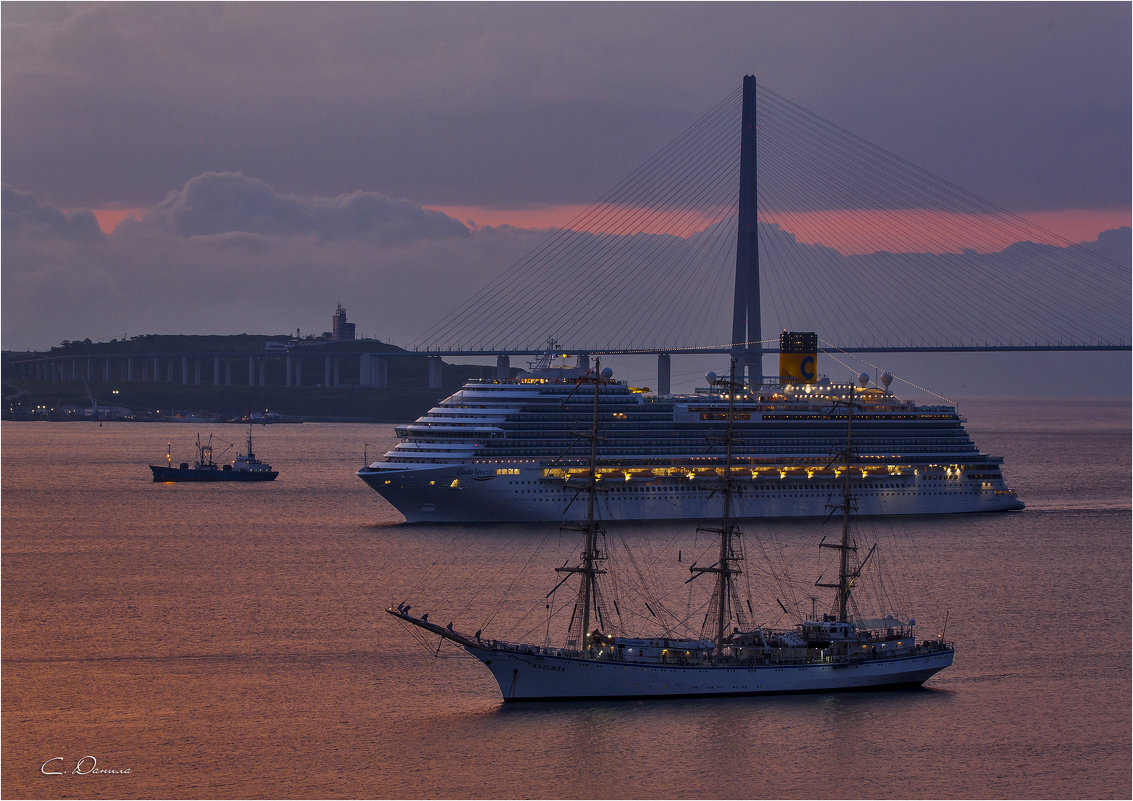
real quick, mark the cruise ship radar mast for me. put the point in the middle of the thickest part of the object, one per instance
(543, 361)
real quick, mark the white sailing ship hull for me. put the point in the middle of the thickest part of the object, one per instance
(528, 676)
(429, 496)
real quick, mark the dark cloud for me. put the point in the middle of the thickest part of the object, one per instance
(339, 109)
(219, 203)
(226, 254)
(195, 265)
(658, 291)
(469, 103)
(24, 215)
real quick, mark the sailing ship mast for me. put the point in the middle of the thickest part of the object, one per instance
(647, 666)
(725, 567)
(591, 554)
(846, 576)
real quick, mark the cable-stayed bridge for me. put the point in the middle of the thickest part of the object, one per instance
(760, 217)
(763, 216)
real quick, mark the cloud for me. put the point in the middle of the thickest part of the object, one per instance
(593, 291)
(226, 254)
(227, 202)
(23, 215)
(511, 103)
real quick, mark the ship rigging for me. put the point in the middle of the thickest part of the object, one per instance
(835, 652)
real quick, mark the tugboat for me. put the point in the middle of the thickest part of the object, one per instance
(245, 467)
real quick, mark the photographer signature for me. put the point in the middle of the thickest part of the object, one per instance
(84, 767)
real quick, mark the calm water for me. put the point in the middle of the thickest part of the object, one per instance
(229, 640)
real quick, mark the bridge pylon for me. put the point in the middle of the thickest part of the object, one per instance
(746, 322)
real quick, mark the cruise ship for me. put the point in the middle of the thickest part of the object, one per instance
(507, 450)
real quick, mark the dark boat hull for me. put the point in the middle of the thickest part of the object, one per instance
(166, 474)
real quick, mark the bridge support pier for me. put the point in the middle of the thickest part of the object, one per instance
(503, 366)
(374, 371)
(663, 373)
(436, 367)
(584, 361)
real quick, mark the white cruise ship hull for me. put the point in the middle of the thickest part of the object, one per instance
(507, 451)
(528, 676)
(429, 496)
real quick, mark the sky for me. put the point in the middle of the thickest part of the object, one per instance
(216, 168)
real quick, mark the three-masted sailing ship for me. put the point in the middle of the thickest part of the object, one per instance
(834, 652)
